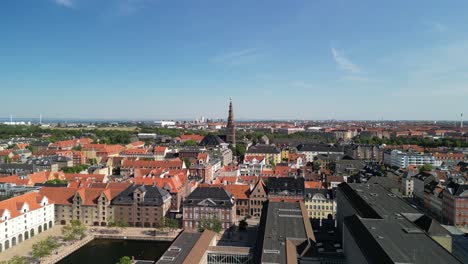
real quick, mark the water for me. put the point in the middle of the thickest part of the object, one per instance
(104, 251)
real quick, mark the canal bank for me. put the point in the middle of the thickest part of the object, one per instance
(111, 250)
(114, 234)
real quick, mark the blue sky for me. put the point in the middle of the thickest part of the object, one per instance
(158, 59)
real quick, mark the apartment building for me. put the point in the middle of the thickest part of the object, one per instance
(207, 202)
(142, 205)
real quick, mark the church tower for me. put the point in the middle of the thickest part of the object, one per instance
(231, 128)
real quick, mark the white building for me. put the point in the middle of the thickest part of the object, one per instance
(23, 217)
(405, 159)
(163, 123)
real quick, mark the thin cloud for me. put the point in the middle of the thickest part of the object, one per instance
(344, 63)
(244, 56)
(65, 3)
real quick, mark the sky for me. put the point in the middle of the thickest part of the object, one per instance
(173, 59)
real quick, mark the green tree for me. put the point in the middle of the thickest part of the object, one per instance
(187, 162)
(44, 247)
(74, 230)
(78, 148)
(170, 223)
(243, 225)
(213, 224)
(425, 168)
(125, 260)
(7, 160)
(190, 143)
(16, 260)
(56, 181)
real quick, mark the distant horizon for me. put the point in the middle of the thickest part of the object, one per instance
(90, 119)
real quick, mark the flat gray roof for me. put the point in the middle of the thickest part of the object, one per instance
(180, 248)
(283, 221)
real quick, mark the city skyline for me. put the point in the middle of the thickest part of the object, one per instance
(145, 60)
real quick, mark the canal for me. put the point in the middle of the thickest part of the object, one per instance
(107, 251)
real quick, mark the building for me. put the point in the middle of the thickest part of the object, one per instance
(165, 123)
(285, 234)
(271, 153)
(400, 159)
(455, 204)
(285, 189)
(142, 205)
(90, 204)
(207, 202)
(379, 227)
(188, 248)
(241, 193)
(231, 127)
(320, 203)
(364, 152)
(310, 150)
(258, 197)
(24, 216)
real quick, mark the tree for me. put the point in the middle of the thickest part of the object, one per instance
(74, 230)
(187, 162)
(316, 165)
(125, 260)
(78, 148)
(7, 160)
(425, 168)
(243, 225)
(169, 223)
(213, 224)
(44, 247)
(190, 143)
(56, 181)
(16, 260)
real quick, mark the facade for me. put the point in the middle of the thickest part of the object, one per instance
(207, 202)
(270, 153)
(258, 197)
(310, 151)
(142, 206)
(320, 203)
(285, 189)
(91, 205)
(241, 193)
(231, 127)
(24, 216)
(364, 152)
(455, 204)
(401, 159)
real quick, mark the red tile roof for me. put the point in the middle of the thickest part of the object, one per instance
(13, 205)
(240, 191)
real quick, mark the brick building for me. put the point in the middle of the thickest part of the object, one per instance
(207, 202)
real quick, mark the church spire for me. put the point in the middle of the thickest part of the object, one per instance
(230, 127)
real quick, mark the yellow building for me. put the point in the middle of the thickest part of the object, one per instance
(320, 203)
(271, 153)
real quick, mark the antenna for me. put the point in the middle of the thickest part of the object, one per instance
(11, 119)
(461, 121)
(40, 119)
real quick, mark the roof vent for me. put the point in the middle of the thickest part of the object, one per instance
(373, 194)
(174, 249)
(271, 251)
(413, 231)
(167, 258)
(391, 195)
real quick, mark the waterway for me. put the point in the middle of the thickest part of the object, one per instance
(105, 251)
